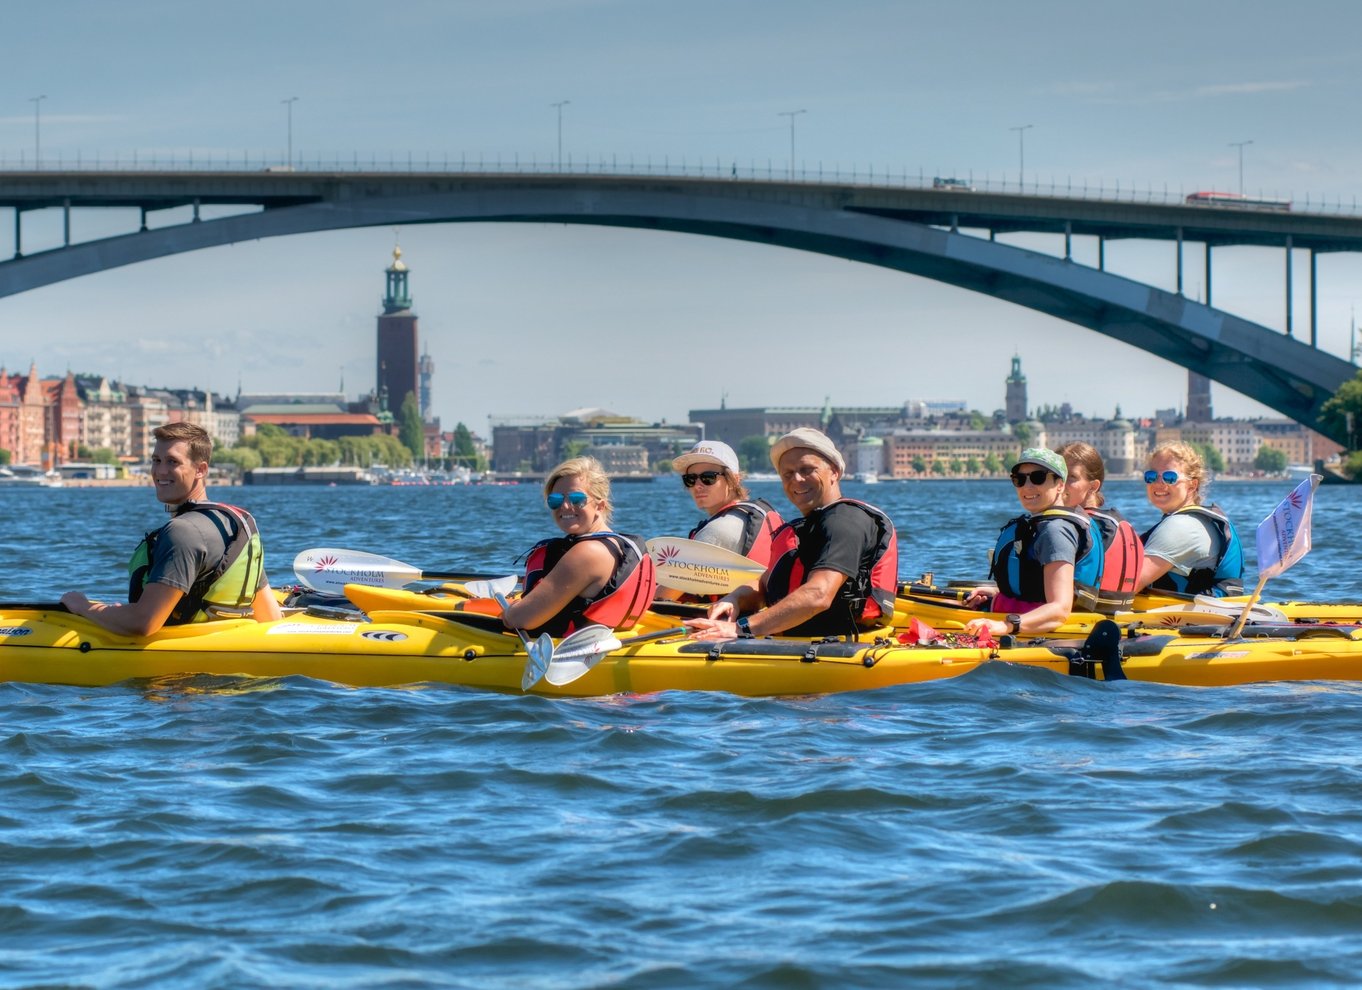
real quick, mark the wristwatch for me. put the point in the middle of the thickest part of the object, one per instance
(744, 628)
(1013, 621)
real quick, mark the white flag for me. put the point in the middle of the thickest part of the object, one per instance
(1284, 536)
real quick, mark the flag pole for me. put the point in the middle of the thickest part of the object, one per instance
(1238, 626)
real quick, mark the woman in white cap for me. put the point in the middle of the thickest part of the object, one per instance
(733, 519)
(1041, 556)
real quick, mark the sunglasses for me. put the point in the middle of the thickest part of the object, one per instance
(706, 478)
(1168, 477)
(1036, 477)
(575, 499)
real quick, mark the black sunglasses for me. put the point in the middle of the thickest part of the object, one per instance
(1036, 477)
(707, 477)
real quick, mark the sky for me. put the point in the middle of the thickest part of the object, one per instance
(535, 319)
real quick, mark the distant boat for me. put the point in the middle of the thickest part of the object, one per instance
(27, 476)
(1299, 472)
(868, 478)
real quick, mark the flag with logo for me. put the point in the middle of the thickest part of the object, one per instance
(1284, 536)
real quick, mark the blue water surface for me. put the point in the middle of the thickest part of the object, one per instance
(1006, 828)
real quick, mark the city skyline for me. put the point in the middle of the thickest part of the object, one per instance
(522, 318)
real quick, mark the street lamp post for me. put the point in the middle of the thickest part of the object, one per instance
(37, 132)
(1240, 146)
(792, 114)
(559, 107)
(1021, 154)
(289, 104)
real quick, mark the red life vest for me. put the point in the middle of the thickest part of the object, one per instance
(760, 523)
(622, 600)
(1122, 559)
(869, 594)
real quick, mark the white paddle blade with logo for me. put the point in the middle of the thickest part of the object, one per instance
(701, 568)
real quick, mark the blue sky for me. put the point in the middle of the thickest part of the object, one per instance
(540, 319)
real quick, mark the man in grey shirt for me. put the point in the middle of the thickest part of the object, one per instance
(207, 555)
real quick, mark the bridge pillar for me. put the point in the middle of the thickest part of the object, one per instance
(66, 221)
(196, 209)
(1101, 253)
(1314, 296)
(1068, 240)
(144, 219)
(18, 233)
(1179, 261)
(1208, 273)
(1288, 285)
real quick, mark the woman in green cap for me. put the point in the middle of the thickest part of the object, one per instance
(1044, 559)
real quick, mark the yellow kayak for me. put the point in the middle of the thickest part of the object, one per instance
(43, 645)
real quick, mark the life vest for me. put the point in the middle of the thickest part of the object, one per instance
(1227, 576)
(760, 523)
(622, 600)
(230, 586)
(1122, 559)
(1022, 577)
(869, 595)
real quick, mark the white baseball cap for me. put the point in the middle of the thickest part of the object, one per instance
(708, 451)
(813, 440)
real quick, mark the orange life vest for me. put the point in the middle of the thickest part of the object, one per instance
(622, 600)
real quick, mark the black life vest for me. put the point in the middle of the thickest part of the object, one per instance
(231, 584)
(1227, 576)
(868, 597)
(618, 604)
(1021, 576)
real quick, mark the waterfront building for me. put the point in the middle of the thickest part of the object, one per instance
(397, 354)
(534, 444)
(10, 434)
(1122, 449)
(912, 453)
(149, 408)
(106, 417)
(1199, 398)
(733, 426)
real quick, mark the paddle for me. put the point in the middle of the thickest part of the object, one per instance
(538, 652)
(330, 569)
(582, 650)
(701, 568)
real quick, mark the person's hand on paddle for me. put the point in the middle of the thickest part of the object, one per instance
(711, 629)
(979, 598)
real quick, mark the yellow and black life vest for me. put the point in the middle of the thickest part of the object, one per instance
(230, 586)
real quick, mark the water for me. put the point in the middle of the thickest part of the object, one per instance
(1009, 827)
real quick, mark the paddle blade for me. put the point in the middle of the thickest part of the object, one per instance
(701, 568)
(490, 589)
(329, 569)
(576, 654)
(540, 655)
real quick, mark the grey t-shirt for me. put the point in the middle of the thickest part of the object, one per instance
(1055, 542)
(1185, 542)
(726, 531)
(190, 547)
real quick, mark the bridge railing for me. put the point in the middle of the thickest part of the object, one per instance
(836, 173)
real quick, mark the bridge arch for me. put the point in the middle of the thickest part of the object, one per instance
(1279, 371)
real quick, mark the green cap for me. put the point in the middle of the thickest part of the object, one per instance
(1046, 458)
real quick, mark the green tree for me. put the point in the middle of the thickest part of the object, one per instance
(972, 465)
(574, 448)
(465, 452)
(993, 464)
(1213, 458)
(410, 430)
(1023, 434)
(1341, 415)
(755, 453)
(957, 465)
(5, 456)
(939, 466)
(1270, 460)
(919, 464)
(977, 420)
(244, 458)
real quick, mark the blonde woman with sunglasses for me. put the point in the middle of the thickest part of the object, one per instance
(1193, 549)
(588, 575)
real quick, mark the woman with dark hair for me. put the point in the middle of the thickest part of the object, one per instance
(733, 519)
(1122, 552)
